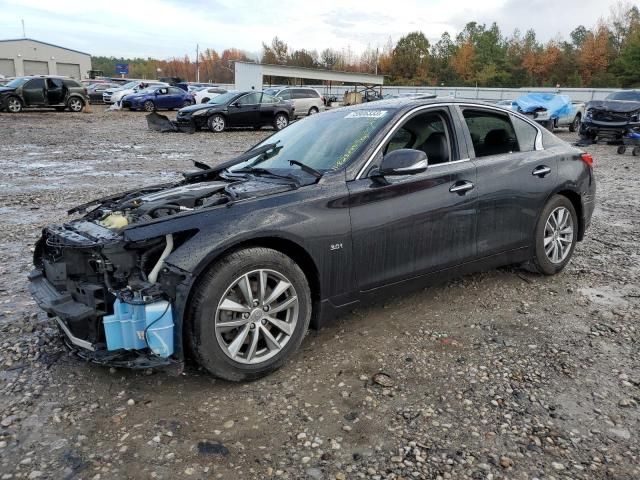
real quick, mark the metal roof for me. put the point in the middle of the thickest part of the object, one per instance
(317, 74)
(44, 43)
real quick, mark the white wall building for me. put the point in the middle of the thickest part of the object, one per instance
(31, 57)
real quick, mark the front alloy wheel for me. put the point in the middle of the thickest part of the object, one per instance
(149, 106)
(216, 123)
(248, 314)
(14, 105)
(256, 316)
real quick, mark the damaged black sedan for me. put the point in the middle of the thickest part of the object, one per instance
(612, 118)
(234, 263)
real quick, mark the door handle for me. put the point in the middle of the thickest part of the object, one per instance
(541, 171)
(461, 187)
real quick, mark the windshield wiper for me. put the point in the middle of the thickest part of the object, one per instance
(242, 158)
(266, 171)
(306, 168)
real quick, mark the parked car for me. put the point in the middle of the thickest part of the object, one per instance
(205, 94)
(610, 119)
(61, 93)
(157, 98)
(239, 109)
(306, 100)
(96, 90)
(117, 96)
(234, 262)
(549, 110)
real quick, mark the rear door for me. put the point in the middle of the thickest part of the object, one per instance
(175, 99)
(33, 92)
(245, 112)
(55, 91)
(515, 177)
(407, 226)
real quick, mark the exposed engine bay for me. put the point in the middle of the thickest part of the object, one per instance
(113, 297)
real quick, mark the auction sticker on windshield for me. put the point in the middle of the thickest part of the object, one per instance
(367, 114)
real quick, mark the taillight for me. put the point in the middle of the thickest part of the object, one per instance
(588, 159)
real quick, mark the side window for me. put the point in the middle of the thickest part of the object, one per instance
(162, 91)
(401, 139)
(250, 99)
(268, 99)
(298, 93)
(34, 83)
(429, 132)
(285, 94)
(176, 91)
(54, 83)
(491, 132)
(526, 134)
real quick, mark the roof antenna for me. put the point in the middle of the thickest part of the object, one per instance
(24, 35)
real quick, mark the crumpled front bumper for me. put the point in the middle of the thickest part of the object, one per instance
(68, 311)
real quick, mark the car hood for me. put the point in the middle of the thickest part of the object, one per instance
(6, 90)
(201, 106)
(618, 106)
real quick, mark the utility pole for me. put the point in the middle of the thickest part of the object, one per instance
(376, 60)
(198, 62)
(24, 35)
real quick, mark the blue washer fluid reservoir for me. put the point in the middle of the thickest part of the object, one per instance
(125, 329)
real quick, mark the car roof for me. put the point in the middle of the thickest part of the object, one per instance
(409, 103)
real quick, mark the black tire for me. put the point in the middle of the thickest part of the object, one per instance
(280, 121)
(201, 330)
(549, 125)
(75, 104)
(313, 110)
(149, 106)
(636, 151)
(14, 105)
(187, 103)
(575, 125)
(217, 123)
(257, 127)
(541, 262)
(621, 149)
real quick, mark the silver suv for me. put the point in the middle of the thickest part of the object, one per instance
(306, 100)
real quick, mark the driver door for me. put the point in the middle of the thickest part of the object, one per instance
(33, 92)
(407, 226)
(245, 112)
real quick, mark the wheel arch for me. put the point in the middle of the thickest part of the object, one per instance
(286, 246)
(574, 198)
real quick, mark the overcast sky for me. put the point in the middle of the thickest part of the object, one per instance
(166, 28)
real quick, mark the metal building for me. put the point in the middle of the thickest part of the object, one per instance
(250, 76)
(26, 56)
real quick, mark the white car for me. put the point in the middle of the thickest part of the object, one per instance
(207, 93)
(306, 100)
(116, 94)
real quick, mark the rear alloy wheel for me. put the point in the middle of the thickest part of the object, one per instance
(216, 123)
(556, 236)
(14, 105)
(313, 110)
(281, 121)
(249, 314)
(575, 125)
(75, 104)
(149, 106)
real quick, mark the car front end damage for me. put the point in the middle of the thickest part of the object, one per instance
(609, 120)
(118, 301)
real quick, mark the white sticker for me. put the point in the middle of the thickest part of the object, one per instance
(367, 114)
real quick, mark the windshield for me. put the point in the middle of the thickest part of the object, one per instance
(16, 82)
(222, 99)
(323, 142)
(129, 85)
(272, 91)
(632, 95)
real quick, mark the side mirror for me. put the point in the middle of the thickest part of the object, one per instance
(235, 104)
(404, 161)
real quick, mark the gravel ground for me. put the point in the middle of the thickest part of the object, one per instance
(502, 374)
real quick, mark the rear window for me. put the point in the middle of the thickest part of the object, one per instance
(71, 83)
(526, 134)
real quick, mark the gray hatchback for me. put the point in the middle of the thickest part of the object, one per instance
(44, 91)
